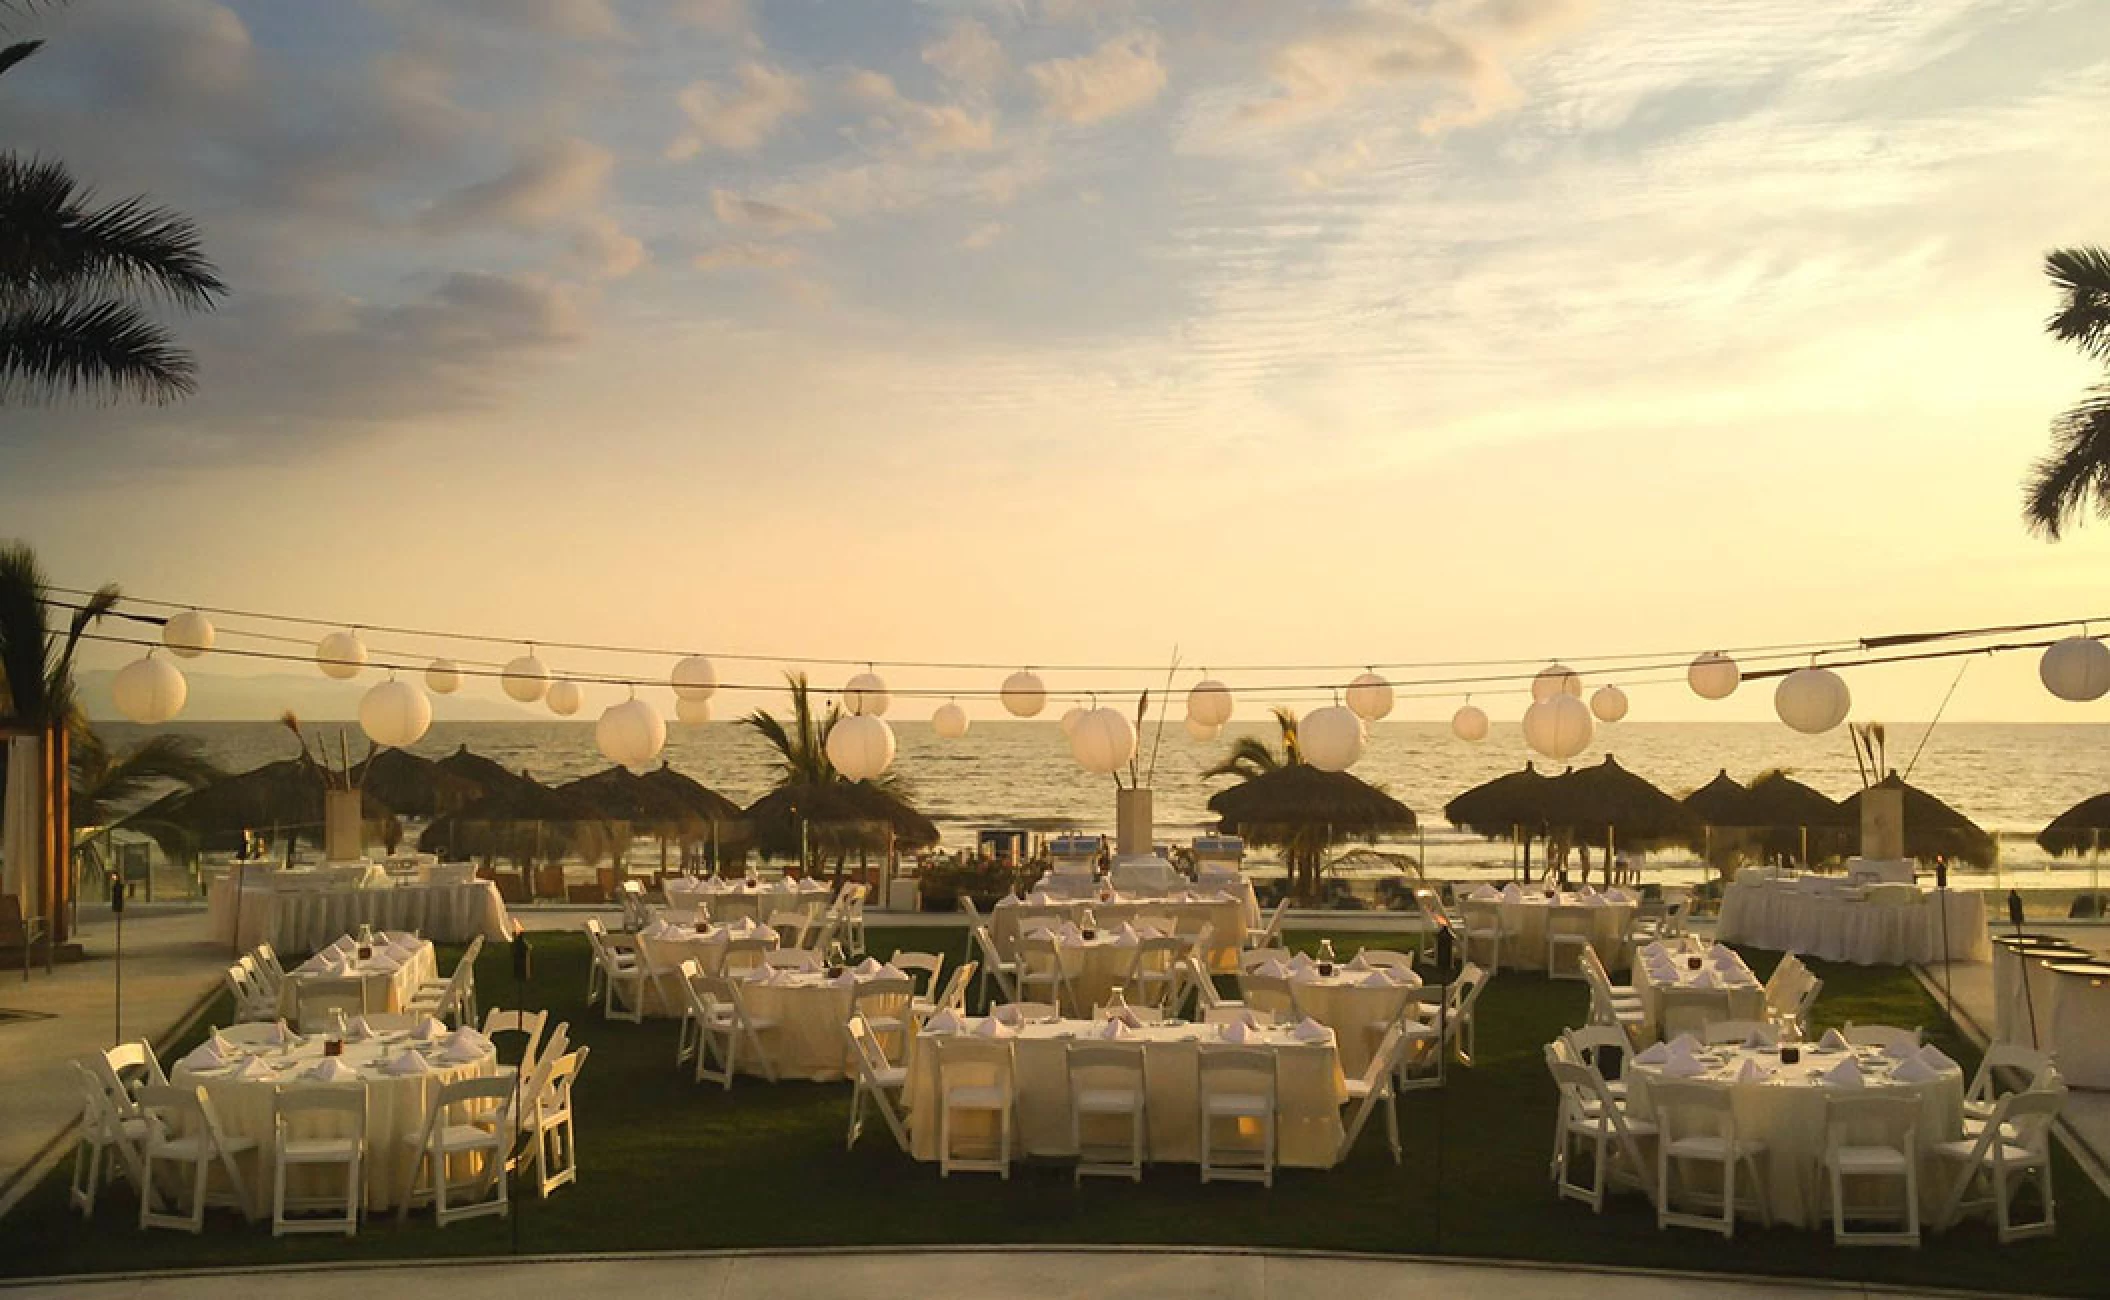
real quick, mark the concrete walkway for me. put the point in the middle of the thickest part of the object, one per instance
(983, 1274)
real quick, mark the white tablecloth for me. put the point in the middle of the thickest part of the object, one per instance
(1524, 927)
(2020, 1016)
(396, 1108)
(1786, 1112)
(2080, 1023)
(1309, 1093)
(304, 921)
(390, 978)
(1727, 985)
(668, 946)
(810, 1011)
(1224, 912)
(729, 900)
(1865, 931)
(1353, 1007)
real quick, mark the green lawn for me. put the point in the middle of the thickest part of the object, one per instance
(668, 1165)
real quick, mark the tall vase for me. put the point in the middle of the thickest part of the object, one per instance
(342, 835)
(1882, 823)
(1134, 828)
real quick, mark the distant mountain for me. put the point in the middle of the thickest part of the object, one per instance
(217, 697)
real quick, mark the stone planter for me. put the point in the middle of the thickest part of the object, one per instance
(1135, 828)
(1883, 824)
(343, 838)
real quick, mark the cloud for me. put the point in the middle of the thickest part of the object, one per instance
(550, 182)
(1119, 77)
(746, 213)
(737, 118)
(713, 15)
(968, 56)
(983, 236)
(606, 250)
(930, 130)
(746, 256)
(588, 20)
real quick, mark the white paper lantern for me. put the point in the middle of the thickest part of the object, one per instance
(1556, 679)
(565, 697)
(1812, 700)
(149, 690)
(694, 678)
(1608, 703)
(950, 721)
(1469, 723)
(2077, 669)
(1104, 741)
(1713, 676)
(526, 678)
(693, 713)
(860, 746)
(188, 634)
(1331, 738)
(1071, 717)
(1201, 732)
(631, 733)
(1024, 695)
(443, 677)
(340, 655)
(1370, 696)
(1558, 726)
(866, 693)
(395, 713)
(1209, 703)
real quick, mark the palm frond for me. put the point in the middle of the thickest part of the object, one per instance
(2073, 478)
(60, 242)
(2083, 318)
(105, 350)
(106, 787)
(17, 52)
(24, 641)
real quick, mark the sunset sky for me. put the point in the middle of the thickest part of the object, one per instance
(1047, 331)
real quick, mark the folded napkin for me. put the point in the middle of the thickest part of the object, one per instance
(1833, 1041)
(332, 1070)
(1126, 931)
(1511, 894)
(991, 1027)
(1684, 1067)
(1913, 1070)
(358, 1030)
(1302, 962)
(1901, 1051)
(1592, 900)
(1238, 1031)
(1272, 969)
(1311, 1031)
(1009, 1014)
(1376, 979)
(1845, 1074)
(1039, 898)
(1654, 948)
(1127, 938)
(406, 1064)
(1359, 961)
(1755, 1039)
(1618, 895)
(1719, 951)
(1708, 978)
(1485, 893)
(745, 925)
(345, 943)
(335, 965)
(278, 1035)
(945, 1022)
(1588, 890)
(1069, 932)
(1654, 1055)
(1149, 932)
(869, 967)
(468, 1038)
(253, 1069)
(205, 1056)
(846, 980)
(461, 1053)
(1935, 1059)
(1751, 1071)
(427, 1029)
(1684, 1045)
(1114, 1029)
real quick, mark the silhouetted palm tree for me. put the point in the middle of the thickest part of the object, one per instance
(36, 662)
(2075, 475)
(111, 791)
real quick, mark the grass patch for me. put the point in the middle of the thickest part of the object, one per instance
(666, 1165)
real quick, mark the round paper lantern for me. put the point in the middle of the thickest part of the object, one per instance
(695, 678)
(1370, 696)
(631, 733)
(1104, 741)
(1713, 676)
(950, 721)
(1556, 679)
(860, 746)
(1812, 700)
(1209, 703)
(693, 713)
(526, 678)
(1202, 732)
(564, 697)
(2077, 669)
(443, 677)
(1024, 695)
(1608, 703)
(394, 713)
(1558, 726)
(1332, 738)
(866, 694)
(340, 655)
(1071, 717)
(188, 634)
(1469, 723)
(149, 690)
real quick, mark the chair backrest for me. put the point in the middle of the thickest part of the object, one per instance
(1740, 1031)
(1884, 1036)
(1589, 1096)
(1156, 956)
(696, 991)
(1039, 954)
(743, 954)
(1205, 993)
(1590, 1044)
(971, 912)
(1386, 959)
(967, 1061)
(1104, 1065)
(1889, 1119)
(267, 961)
(1227, 1069)
(1691, 1109)
(2026, 1061)
(1378, 1073)
(885, 998)
(928, 965)
(866, 1049)
(98, 1112)
(344, 1101)
(954, 994)
(1570, 920)
(2025, 1118)
(174, 1112)
(531, 1023)
(553, 1097)
(320, 1000)
(485, 1103)
(986, 942)
(1483, 913)
(1466, 990)
(1272, 933)
(722, 989)
(1269, 993)
(131, 1066)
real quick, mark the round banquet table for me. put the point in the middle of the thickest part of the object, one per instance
(396, 1109)
(1524, 926)
(2080, 1022)
(391, 977)
(1357, 1005)
(666, 947)
(1786, 1112)
(730, 900)
(2023, 986)
(810, 1010)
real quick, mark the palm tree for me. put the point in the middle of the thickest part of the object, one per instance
(111, 792)
(806, 782)
(802, 747)
(73, 274)
(2075, 475)
(1304, 846)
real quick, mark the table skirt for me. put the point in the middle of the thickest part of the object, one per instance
(305, 921)
(1857, 931)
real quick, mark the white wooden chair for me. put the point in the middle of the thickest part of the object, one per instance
(454, 998)
(793, 959)
(320, 999)
(1568, 928)
(1106, 1085)
(619, 975)
(471, 1123)
(886, 1005)
(1373, 1087)
(547, 1123)
(743, 954)
(926, 968)
(184, 1130)
(529, 1024)
(727, 1029)
(1483, 927)
(1040, 970)
(2013, 1147)
(1236, 1088)
(1270, 993)
(1696, 1125)
(1604, 1049)
(995, 970)
(106, 1144)
(1269, 935)
(251, 1001)
(953, 995)
(1153, 972)
(2027, 1064)
(1203, 986)
(974, 1079)
(1590, 1114)
(878, 1083)
(314, 1126)
(1873, 1138)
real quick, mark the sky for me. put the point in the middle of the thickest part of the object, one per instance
(1073, 331)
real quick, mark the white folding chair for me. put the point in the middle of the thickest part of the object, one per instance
(454, 998)
(2013, 1147)
(1604, 1049)
(953, 995)
(314, 1126)
(251, 1001)
(1463, 1028)
(793, 959)
(528, 1024)
(1106, 1086)
(1696, 1125)
(1372, 1087)
(1589, 1113)
(1873, 1138)
(1483, 926)
(995, 970)
(728, 1029)
(547, 1122)
(974, 1079)
(885, 1004)
(926, 968)
(1236, 1088)
(1040, 970)
(620, 974)
(1153, 972)
(1203, 986)
(184, 1130)
(878, 1083)
(1987, 1086)
(746, 954)
(1269, 935)
(1270, 993)
(320, 999)
(1568, 930)
(471, 1124)
(106, 1144)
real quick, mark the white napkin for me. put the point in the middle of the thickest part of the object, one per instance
(1009, 1014)
(221, 1044)
(253, 1069)
(1935, 1059)
(1511, 894)
(1845, 1074)
(333, 1070)
(333, 964)
(1707, 979)
(1591, 900)
(1114, 1029)
(1755, 1040)
(1684, 1067)
(1039, 898)
(427, 1029)
(1311, 1031)
(407, 1063)
(846, 980)
(1376, 979)
(945, 1022)
(1618, 895)
(1901, 1051)
(1237, 1032)
(1485, 894)
(1684, 1045)
(358, 1030)
(1655, 1055)
(1753, 1072)
(278, 1035)
(1912, 1070)
(1587, 890)
(1302, 963)
(205, 1056)
(1359, 961)
(1833, 1041)
(1654, 948)
(1149, 932)
(869, 967)
(1126, 937)
(1070, 933)
(1272, 969)
(345, 943)
(991, 1027)
(1719, 951)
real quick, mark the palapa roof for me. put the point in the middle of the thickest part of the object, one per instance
(697, 798)
(2079, 829)
(1496, 809)
(1593, 801)
(417, 787)
(1300, 797)
(486, 772)
(1932, 828)
(1724, 801)
(286, 795)
(838, 815)
(1780, 800)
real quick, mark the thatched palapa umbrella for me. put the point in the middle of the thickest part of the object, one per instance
(1303, 810)
(1781, 804)
(414, 786)
(1610, 804)
(835, 816)
(282, 798)
(514, 821)
(1932, 828)
(702, 805)
(1512, 806)
(2080, 829)
(1724, 802)
(488, 773)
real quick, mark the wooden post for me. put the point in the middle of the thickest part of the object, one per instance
(62, 835)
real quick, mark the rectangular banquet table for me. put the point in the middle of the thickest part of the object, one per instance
(1883, 925)
(1224, 912)
(1524, 912)
(391, 976)
(1723, 984)
(1310, 1091)
(305, 920)
(730, 900)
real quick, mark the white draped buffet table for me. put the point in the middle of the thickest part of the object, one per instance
(306, 920)
(1228, 915)
(1686, 976)
(1882, 925)
(397, 968)
(1523, 914)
